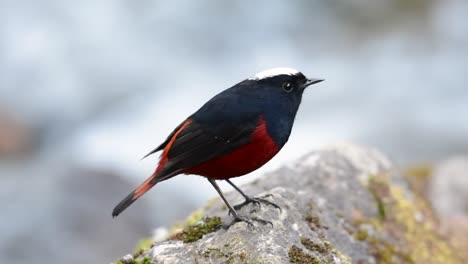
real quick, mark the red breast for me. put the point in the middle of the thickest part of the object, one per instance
(245, 159)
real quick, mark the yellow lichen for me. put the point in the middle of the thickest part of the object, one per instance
(343, 259)
(361, 234)
(408, 230)
(145, 260)
(419, 178)
(142, 246)
(419, 171)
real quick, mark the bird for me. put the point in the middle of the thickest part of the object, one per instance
(234, 133)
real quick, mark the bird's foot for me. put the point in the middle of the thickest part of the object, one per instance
(257, 201)
(248, 220)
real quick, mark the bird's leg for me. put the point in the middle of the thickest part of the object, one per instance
(233, 212)
(253, 200)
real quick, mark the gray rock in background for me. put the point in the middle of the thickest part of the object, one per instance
(448, 193)
(449, 187)
(342, 204)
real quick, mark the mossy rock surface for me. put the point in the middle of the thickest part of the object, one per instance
(343, 204)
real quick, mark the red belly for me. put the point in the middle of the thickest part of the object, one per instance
(248, 158)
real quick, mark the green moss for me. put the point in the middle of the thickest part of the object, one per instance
(243, 257)
(314, 221)
(310, 245)
(425, 245)
(419, 178)
(195, 232)
(386, 253)
(138, 253)
(192, 219)
(380, 192)
(361, 235)
(227, 256)
(214, 252)
(142, 246)
(407, 232)
(297, 255)
(195, 217)
(323, 253)
(145, 260)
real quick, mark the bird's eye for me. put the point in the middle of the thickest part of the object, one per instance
(287, 86)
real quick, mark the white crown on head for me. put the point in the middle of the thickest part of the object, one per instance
(274, 72)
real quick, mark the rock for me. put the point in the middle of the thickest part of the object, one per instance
(342, 204)
(448, 187)
(456, 229)
(449, 197)
(127, 259)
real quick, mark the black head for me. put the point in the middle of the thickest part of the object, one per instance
(279, 90)
(286, 80)
(277, 94)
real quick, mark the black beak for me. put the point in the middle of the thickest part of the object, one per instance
(309, 82)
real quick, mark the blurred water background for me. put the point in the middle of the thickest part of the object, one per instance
(88, 87)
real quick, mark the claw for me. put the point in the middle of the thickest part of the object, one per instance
(261, 221)
(257, 201)
(240, 218)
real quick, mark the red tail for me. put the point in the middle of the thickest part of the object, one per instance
(157, 176)
(137, 193)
